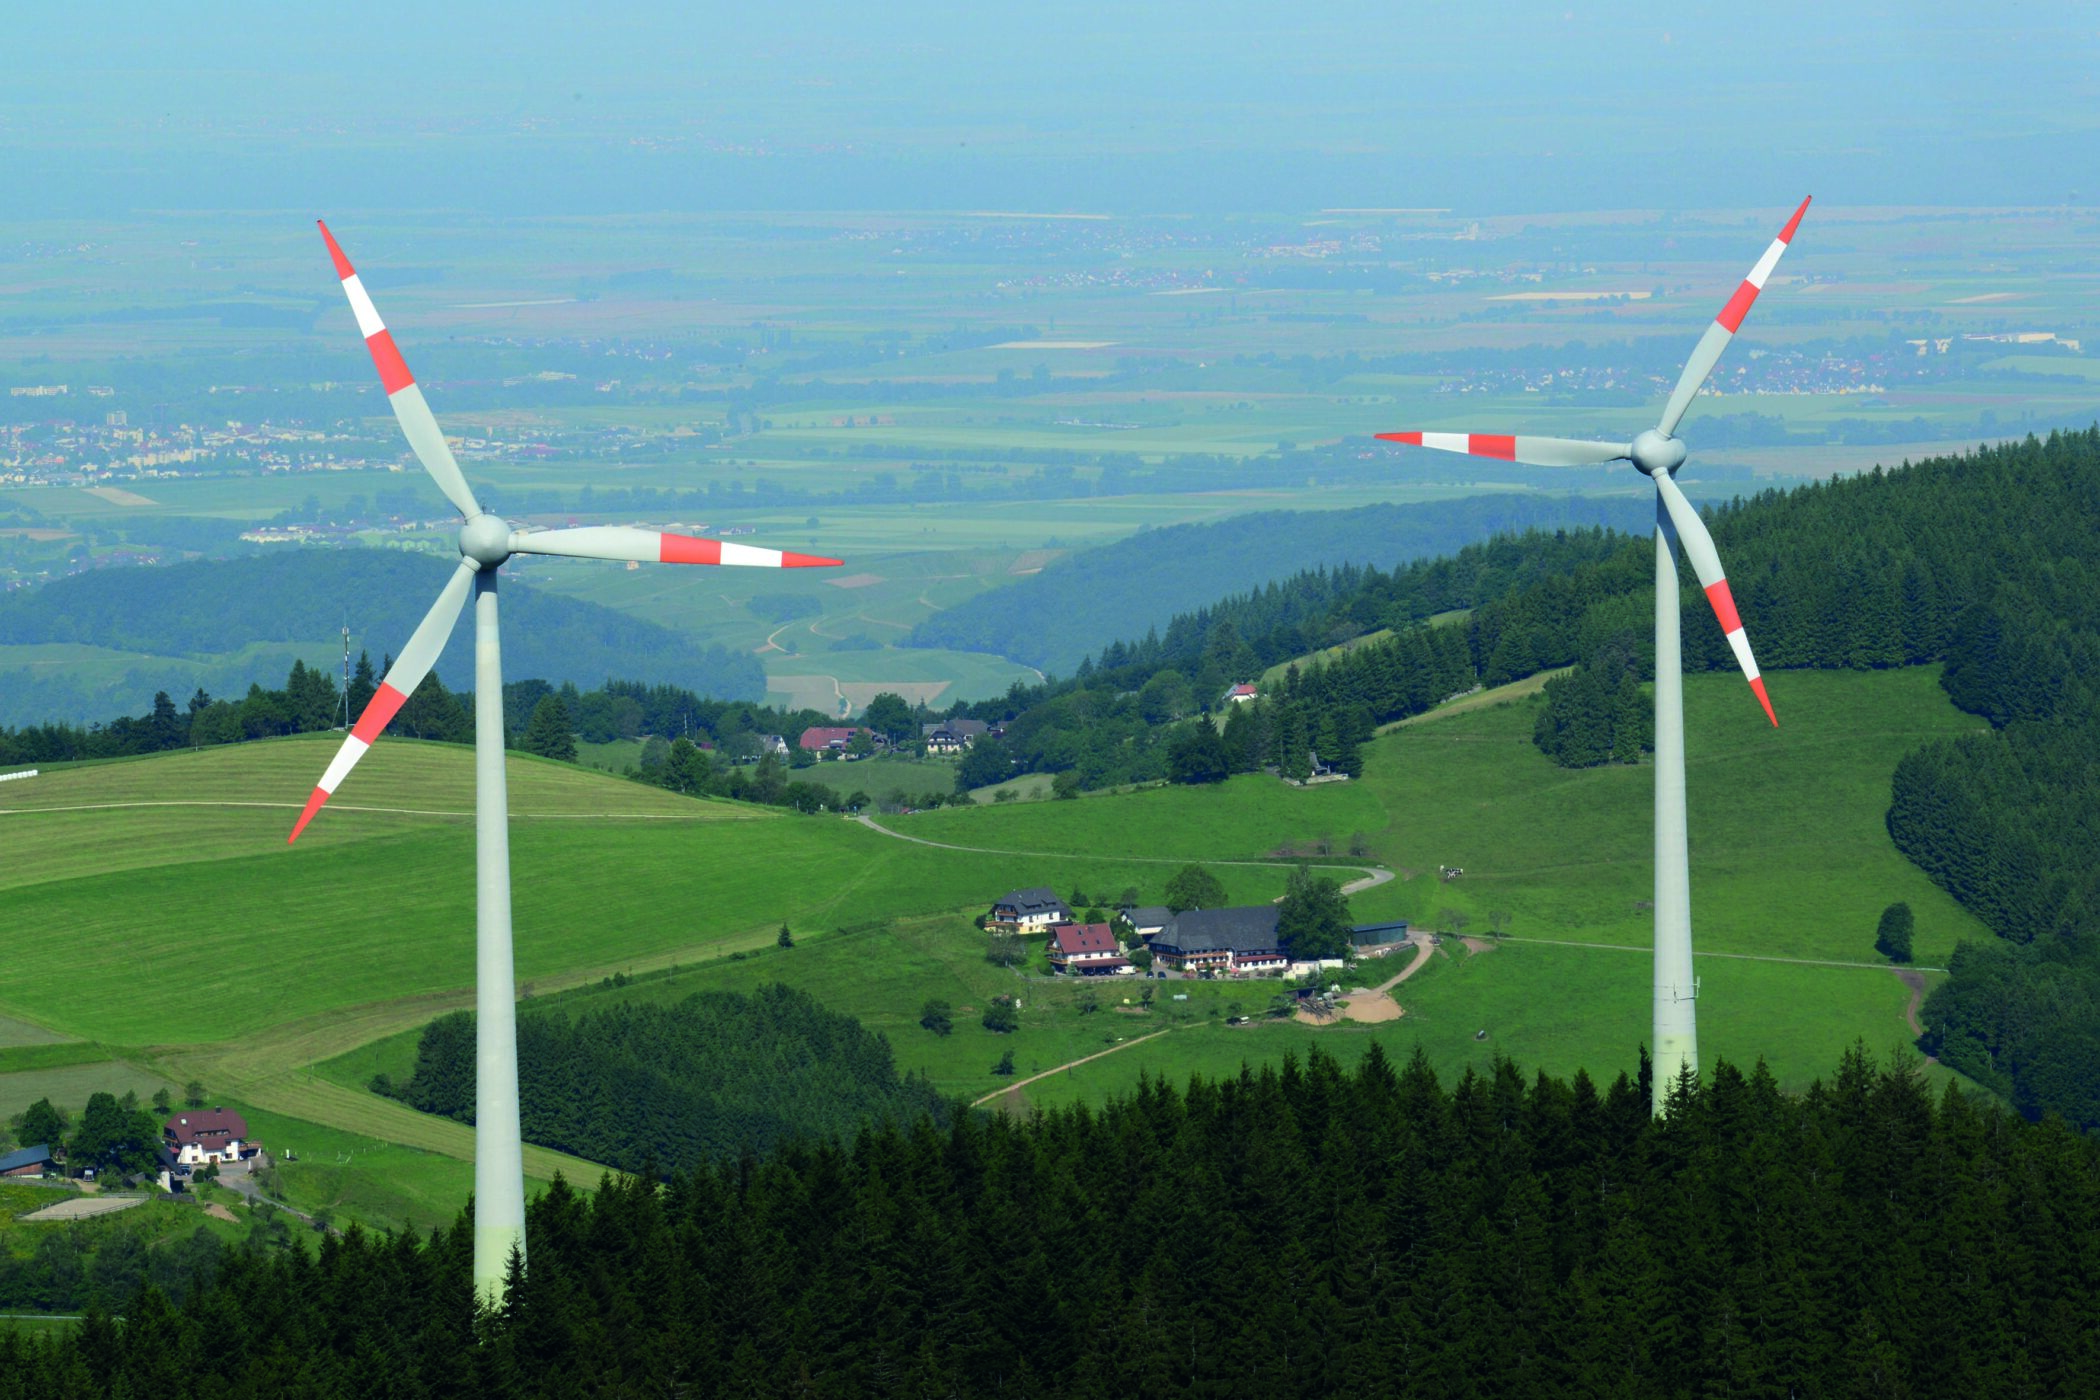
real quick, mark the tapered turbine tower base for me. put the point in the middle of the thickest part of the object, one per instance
(499, 1156)
(1676, 1027)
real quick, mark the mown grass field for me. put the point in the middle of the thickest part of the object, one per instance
(171, 926)
(193, 935)
(1789, 853)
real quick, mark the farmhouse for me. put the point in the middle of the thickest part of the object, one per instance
(207, 1135)
(952, 735)
(1087, 950)
(1241, 694)
(829, 742)
(1028, 911)
(27, 1161)
(1232, 941)
(1146, 920)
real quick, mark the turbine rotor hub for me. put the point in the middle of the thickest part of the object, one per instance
(1652, 453)
(485, 540)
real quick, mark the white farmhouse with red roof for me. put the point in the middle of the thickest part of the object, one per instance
(1086, 950)
(203, 1136)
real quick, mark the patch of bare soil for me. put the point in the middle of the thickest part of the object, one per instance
(1916, 982)
(219, 1212)
(1478, 945)
(1372, 1007)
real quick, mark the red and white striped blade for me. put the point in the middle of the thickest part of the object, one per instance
(1511, 447)
(1707, 353)
(400, 682)
(657, 547)
(418, 424)
(1706, 563)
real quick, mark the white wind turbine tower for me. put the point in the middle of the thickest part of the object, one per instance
(485, 542)
(1657, 454)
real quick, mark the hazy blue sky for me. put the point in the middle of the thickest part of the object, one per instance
(1486, 106)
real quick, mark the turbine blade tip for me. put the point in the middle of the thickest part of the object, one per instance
(791, 560)
(1787, 234)
(313, 805)
(1758, 685)
(335, 252)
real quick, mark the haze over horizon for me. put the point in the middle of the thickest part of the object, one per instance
(1172, 108)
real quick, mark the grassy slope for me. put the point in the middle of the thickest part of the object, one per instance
(1789, 854)
(258, 959)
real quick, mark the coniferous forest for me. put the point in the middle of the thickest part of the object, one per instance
(1302, 1231)
(718, 1075)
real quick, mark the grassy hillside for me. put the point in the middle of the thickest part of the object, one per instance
(1789, 853)
(169, 916)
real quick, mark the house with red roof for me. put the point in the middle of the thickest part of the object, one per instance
(827, 741)
(202, 1136)
(1087, 950)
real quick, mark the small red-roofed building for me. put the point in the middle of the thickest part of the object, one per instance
(203, 1136)
(1241, 694)
(1086, 950)
(824, 741)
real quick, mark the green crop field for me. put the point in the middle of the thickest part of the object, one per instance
(880, 777)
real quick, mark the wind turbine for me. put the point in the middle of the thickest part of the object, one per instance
(485, 542)
(1657, 454)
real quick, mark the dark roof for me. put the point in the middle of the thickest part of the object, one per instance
(1391, 931)
(1240, 931)
(960, 728)
(1039, 900)
(211, 1126)
(1147, 915)
(1083, 938)
(26, 1157)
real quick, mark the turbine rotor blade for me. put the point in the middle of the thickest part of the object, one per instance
(400, 682)
(657, 547)
(1706, 562)
(1707, 352)
(418, 424)
(1533, 451)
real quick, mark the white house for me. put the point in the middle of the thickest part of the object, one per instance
(203, 1136)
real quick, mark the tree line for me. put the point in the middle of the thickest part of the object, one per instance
(646, 1087)
(1302, 1230)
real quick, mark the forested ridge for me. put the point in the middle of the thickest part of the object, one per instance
(1293, 1231)
(207, 612)
(1059, 616)
(711, 1078)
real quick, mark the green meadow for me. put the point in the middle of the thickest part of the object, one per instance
(171, 932)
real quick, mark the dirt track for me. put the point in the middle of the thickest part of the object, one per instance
(1060, 1069)
(1373, 874)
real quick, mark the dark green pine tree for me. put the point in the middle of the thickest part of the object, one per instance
(549, 733)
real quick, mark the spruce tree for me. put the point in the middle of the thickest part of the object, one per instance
(550, 733)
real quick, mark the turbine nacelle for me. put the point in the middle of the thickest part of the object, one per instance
(485, 540)
(1653, 452)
